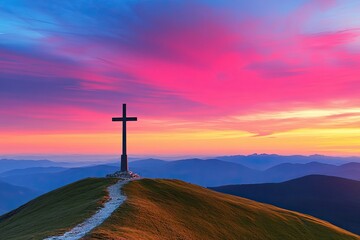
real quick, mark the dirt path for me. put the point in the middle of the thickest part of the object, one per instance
(116, 199)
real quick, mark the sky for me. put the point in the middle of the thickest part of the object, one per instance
(213, 77)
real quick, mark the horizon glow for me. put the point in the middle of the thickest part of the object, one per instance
(203, 77)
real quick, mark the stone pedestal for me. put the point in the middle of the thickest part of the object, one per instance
(123, 175)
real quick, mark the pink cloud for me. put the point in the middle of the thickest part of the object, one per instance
(195, 62)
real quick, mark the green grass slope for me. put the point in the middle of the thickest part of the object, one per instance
(55, 212)
(171, 209)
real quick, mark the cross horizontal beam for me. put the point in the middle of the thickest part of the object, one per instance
(126, 119)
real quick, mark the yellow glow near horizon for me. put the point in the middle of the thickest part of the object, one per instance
(301, 141)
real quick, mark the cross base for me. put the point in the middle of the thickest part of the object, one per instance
(123, 175)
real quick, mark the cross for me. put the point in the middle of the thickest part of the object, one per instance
(124, 119)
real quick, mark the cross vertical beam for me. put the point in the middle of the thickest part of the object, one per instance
(124, 161)
(124, 119)
(124, 132)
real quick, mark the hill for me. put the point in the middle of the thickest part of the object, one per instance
(165, 209)
(172, 209)
(13, 196)
(287, 171)
(349, 170)
(334, 199)
(56, 211)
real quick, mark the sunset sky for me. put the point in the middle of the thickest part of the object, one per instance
(211, 77)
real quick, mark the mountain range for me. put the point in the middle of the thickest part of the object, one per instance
(211, 172)
(214, 172)
(10, 164)
(333, 199)
(208, 173)
(265, 161)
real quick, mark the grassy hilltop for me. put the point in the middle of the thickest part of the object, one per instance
(55, 212)
(171, 209)
(162, 209)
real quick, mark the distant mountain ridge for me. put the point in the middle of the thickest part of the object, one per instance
(286, 171)
(202, 172)
(216, 172)
(48, 181)
(265, 161)
(206, 173)
(32, 170)
(10, 164)
(333, 199)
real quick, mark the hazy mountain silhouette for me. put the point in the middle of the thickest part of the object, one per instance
(214, 172)
(45, 182)
(10, 164)
(348, 170)
(264, 161)
(202, 172)
(143, 164)
(148, 163)
(288, 171)
(334, 199)
(26, 171)
(12, 196)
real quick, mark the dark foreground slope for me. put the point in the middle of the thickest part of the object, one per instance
(333, 199)
(172, 209)
(55, 212)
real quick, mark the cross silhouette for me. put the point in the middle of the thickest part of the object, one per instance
(124, 119)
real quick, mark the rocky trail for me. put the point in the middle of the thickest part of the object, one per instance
(116, 199)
